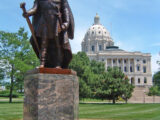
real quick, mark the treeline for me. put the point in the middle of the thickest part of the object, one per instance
(96, 82)
(17, 57)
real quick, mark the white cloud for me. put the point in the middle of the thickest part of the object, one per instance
(154, 64)
(125, 46)
(76, 43)
(156, 44)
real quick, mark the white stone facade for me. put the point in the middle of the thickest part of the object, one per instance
(99, 45)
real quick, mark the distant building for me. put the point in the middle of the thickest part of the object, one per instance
(99, 46)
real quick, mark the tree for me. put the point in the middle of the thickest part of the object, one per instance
(16, 56)
(113, 85)
(1, 74)
(80, 64)
(85, 90)
(156, 79)
(153, 91)
(89, 73)
(128, 89)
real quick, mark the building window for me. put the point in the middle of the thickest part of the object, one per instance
(139, 80)
(137, 60)
(120, 68)
(145, 80)
(99, 32)
(92, 32)
(125, 61)
(102, 60)
(138, 68)
(114, 61)
(100, 47)
(131, 69)
(125, 69)
(144, 61)
(92, 48)
(144, 69)
(119, 61)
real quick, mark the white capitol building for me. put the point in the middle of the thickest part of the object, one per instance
(99, 46)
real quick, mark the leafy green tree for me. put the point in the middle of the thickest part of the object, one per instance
(156, 79)
(80, 64)
(1, 75)
(89, 73)
(97, 67)
(85, 90)
(113, 85)
(128, 89)
(154, 91)
(16, 56)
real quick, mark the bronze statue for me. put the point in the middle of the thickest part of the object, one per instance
(51, 28)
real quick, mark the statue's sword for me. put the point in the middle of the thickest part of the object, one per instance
(22, 5)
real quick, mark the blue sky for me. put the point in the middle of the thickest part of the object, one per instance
(133, 24)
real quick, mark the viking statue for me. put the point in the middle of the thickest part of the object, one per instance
(53, 25)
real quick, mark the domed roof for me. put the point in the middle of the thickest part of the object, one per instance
(97, 31)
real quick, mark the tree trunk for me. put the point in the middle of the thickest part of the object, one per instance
(126, 101)
(21, 89)
(11, 88)
(114, 101)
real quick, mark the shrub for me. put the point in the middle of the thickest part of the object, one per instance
(6, 94)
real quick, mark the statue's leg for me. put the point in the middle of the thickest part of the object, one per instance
(43, 55)
(59, 54)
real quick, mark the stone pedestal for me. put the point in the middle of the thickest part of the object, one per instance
(51, 96)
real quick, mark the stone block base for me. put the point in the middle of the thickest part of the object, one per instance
(51, 96)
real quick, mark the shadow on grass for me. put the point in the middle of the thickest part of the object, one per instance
(104, 103)
(6, 102)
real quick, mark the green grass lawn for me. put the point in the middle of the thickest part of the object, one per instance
(120, 111)
(13, 111)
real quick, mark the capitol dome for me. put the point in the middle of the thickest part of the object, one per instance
(97, 37)
(97, 31)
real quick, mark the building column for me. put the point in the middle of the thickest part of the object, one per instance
(97, 47)
(106, 66)
(148, 62)
(122, 65)
(117, 62)
(111, 62)
(128, 65)
(135, 65)
(89, 47)
(141, 65)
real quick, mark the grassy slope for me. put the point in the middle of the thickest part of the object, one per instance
(92, 111)
(121, 111)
